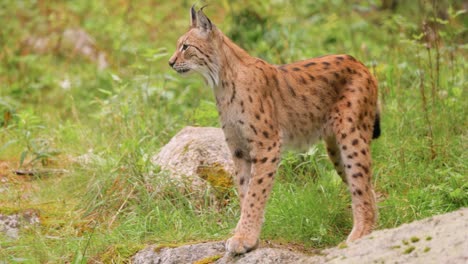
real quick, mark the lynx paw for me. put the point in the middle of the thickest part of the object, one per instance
(241, 244)
(357, 233)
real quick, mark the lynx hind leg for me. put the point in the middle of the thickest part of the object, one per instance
(333, 151)
(354, 147)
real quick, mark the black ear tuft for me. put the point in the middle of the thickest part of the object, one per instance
(193, 17)
(203, 21)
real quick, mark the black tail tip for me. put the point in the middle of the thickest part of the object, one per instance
(376, 132)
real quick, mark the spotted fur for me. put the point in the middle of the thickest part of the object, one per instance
(267, 108)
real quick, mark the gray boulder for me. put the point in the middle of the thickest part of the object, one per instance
(439, 239)
(198, 158)
(213, 252)
(184, 254)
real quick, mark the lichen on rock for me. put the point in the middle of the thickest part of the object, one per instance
(198, 158)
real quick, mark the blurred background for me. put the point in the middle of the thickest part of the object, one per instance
(87, 97)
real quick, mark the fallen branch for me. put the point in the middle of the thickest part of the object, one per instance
(40, 172)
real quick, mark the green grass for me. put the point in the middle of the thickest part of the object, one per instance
(107, 209)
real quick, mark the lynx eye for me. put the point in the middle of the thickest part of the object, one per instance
(184, 47)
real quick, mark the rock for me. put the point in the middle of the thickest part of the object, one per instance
(11, 224)
(4, 184)
(266, 256)
(200, 157)
(80, 42)
(213, 252)
(439, 239)
(183, 254)
(87, 159)
(72, 41)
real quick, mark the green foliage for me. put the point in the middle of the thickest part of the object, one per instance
(37, 148)
(206, 114)
(57, 107)
(315, 209)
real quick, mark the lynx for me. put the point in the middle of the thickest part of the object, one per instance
(266, 108)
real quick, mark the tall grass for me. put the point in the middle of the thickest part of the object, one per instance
(107, 124)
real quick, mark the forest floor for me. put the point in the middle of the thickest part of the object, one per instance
(87, 98)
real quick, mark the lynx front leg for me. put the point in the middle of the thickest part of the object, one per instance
(264, 163)
(243, 169)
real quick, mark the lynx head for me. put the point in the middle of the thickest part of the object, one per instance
(196, 49)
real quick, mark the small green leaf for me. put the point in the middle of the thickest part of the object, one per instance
(7, 144)
(459, 12)
(418, 37)
(105, 91)
(23, 157)
(116, 78)
(441, 21)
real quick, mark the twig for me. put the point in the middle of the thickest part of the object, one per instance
(39, 172)
(426, 115)
(121, 207)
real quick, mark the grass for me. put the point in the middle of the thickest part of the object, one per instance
(57, 107)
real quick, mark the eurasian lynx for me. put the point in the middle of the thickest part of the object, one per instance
(265, 108)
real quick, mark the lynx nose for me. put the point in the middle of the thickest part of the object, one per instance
(171, 63)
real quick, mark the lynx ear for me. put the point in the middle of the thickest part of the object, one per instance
(203, 21)
(193, 17)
